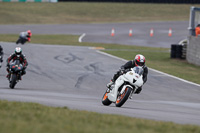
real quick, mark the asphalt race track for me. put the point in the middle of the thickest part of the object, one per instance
(101, 33)
(76, 77)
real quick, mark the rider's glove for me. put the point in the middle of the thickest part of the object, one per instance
(122, 70)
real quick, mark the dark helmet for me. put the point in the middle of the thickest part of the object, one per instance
(139, 60)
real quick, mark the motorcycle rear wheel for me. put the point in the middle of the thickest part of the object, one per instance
(13, 81)
(121, 99)
(105, 99)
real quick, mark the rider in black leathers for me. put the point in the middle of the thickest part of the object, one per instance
(1, 54)
(138, 61)
(23, 61)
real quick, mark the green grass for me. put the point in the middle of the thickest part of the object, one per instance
(17, 117)
(157, 58)
(83, 12)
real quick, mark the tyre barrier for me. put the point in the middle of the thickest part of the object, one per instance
(140, 1)
(178, 51)
(184, 49)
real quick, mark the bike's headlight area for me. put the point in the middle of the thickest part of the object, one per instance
(134, 80)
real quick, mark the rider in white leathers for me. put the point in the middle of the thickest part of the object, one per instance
(138, 61)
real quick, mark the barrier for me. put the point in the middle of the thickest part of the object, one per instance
(53, 1)
(122, 1)
(178, 51)
(193, 48)
(139, 1)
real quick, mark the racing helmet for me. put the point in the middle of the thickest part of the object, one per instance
(29, 32)
(139, 60)
(18, 50)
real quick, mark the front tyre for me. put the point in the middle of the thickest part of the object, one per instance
(121, 99)
(105, 99)
(13, 81)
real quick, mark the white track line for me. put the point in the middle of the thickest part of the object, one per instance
(186, 81)
(81, 37)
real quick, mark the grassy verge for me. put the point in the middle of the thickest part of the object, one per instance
(91, 12)
(157, 58)
(35, 118)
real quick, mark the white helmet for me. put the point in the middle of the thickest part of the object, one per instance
(18, 50)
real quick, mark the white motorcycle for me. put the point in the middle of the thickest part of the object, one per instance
(124, 87)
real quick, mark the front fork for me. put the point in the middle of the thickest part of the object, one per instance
(10, 76)
(19, 76)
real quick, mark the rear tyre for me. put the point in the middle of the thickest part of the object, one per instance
(18, 41)
(13, 81)
(105, 99)
(121, 99)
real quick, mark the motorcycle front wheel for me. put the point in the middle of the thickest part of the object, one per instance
(121, 99)
(105, 99)
(13, 81)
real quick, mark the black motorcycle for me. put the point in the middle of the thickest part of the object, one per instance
(15, 73)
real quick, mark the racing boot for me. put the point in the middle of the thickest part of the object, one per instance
(8, 76)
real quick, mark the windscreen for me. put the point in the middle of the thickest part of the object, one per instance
(138, 70)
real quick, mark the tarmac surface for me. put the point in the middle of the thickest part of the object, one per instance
(76, 77)
(101, 33)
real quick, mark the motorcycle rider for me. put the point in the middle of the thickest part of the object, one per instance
(138, 61)
(197, 30)
(1, 54)
(24, 37)
(12, 57)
